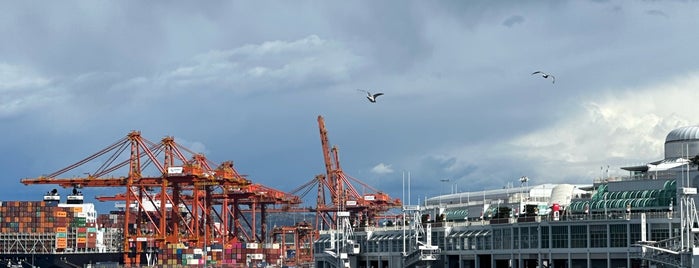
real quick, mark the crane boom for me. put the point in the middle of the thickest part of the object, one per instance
(343, 195)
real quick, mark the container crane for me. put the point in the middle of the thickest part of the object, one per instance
(364, 208)
(197, 194)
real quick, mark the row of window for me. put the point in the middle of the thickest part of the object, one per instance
(531, 237)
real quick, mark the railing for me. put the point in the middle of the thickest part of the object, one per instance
(565, 218)
(660, 175)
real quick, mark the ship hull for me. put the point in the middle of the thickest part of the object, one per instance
(65, 260)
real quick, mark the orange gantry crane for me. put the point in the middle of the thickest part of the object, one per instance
(198, 195)
(364, 209)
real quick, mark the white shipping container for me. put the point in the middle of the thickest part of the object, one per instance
(174, 170)
(256, 256)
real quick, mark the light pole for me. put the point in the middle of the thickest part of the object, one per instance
(443, 189)
(522, 181)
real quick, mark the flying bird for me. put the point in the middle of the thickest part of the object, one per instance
(371, 97)
(545, 75)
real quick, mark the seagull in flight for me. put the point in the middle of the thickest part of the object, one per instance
(371, 97)
(545, 75)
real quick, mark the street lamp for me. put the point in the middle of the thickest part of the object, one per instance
(443, 189)
(522, 181)
(444, 180)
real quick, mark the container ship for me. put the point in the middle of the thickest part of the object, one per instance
(48, 233)
(52, 234)
(647, 218)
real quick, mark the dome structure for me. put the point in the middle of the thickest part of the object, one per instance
(682, 142)
(683, 134)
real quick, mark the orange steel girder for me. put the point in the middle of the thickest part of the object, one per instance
(298, 239)
(256, 196)
(194, 176)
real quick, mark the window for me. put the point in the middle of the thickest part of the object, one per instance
(598, 236)
(507, 238)
(524, 234)
(578, 236)
(497, 239)
(533, 237)
(487, 240)
(634, 233)
(484, 241)
(559, 236)
(467, 243)
(544, 237)
(659, 231)
(618, 236)
(439, 237)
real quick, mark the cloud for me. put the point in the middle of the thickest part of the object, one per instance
(512, 20)
(625, 126)
(617, 128)
(196, 147)
(308, 63)
(22, 89)
(655, 12)
(461, 103)
(268, 66)
(382, 168)
(16, 78)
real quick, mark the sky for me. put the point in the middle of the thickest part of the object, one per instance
(246, 80)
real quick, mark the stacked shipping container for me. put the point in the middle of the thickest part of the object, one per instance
(31, 217)
(229, 255)
(232, 254)
(43, 227)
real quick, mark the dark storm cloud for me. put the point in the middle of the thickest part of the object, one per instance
(390, 33)
(513, 20)
(656, 12)
(100, 36)
(245, 81)
(270, 66)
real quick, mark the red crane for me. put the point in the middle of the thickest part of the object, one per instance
(197, 194)
(364, 208)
